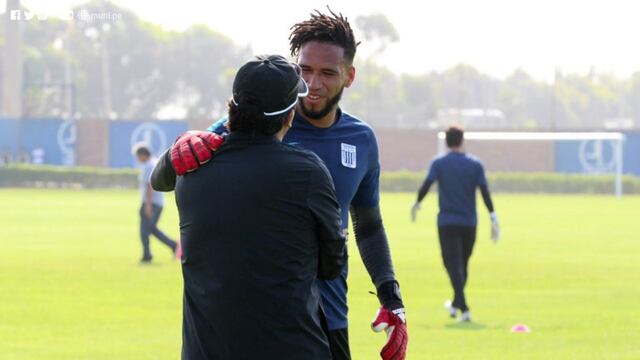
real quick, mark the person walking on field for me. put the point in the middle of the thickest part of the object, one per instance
(458, 176)
(152, 203)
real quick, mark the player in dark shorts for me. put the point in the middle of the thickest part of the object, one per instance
(458, 176)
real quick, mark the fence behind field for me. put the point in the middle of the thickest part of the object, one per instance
(102, 143)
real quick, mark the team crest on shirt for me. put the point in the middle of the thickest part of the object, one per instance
(349, 156)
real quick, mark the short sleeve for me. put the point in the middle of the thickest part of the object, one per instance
(368, 193)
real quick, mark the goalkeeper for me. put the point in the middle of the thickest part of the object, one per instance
(458, 175)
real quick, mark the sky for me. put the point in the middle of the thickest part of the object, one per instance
(494, 36)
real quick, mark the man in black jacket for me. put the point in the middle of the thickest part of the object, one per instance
(258, 226)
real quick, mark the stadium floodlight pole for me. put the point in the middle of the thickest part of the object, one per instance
(616, 137)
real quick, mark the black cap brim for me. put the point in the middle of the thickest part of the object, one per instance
(303, 91)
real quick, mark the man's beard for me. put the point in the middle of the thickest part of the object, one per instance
(316, 115)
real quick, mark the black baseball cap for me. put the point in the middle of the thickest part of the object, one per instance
(273, 81)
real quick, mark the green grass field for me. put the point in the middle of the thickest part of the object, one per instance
(567, 266)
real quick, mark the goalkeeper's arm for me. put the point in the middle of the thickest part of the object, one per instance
(495, 226)
(486, 197)
(374, 250)
(424, 189)
(372, 242)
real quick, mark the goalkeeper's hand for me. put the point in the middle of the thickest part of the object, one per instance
(192, 149)
(391, 318)
(495, 227)
(414, 211)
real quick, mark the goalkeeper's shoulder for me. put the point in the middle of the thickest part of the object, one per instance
(163, 176)
(220, 127)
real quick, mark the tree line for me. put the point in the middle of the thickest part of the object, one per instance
(134, 69)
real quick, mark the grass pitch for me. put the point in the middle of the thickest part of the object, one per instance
(567, 266)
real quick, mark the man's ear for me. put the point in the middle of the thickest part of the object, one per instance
(351, 76)
(289, 121)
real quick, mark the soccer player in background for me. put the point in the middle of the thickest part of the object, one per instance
(152, 204)
(458, 176)
(324, 47)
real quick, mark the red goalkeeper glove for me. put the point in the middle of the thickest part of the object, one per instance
(391, 318)
(192, 149)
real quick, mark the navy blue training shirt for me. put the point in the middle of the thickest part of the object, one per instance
(458, 175)
(350, 151)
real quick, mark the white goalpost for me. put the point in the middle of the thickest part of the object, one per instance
(616, 138)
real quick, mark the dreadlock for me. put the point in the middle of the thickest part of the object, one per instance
(333, 29)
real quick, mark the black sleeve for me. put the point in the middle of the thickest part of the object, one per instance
(484, 190)
(424, 189)
(389, 295)
(163, 177)
(372, 243)
(325, 208)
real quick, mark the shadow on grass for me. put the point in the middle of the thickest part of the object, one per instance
(466, 326)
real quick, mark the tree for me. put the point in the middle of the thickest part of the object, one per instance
(527, 103)
(378, 29)
(127, 68)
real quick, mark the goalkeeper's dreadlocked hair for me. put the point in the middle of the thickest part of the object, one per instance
(333, 28)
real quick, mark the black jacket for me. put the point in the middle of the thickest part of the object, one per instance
(259, 224)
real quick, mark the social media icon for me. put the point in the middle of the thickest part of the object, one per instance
(15, 15)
